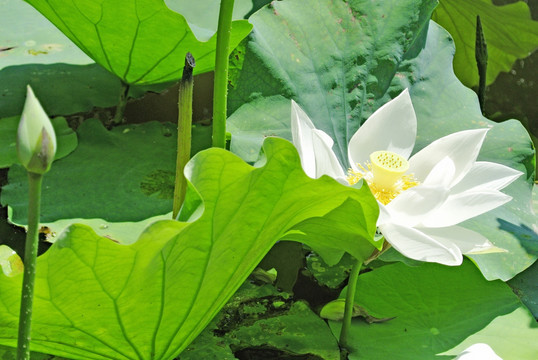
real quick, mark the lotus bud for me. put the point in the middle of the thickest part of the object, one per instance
(36, 140)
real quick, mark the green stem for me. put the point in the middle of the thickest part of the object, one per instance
(184, 132)
(221, 73)
(350, 301)
(30, 257)
(122, 103)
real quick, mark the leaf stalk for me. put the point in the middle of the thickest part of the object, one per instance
(221, 73)
(122, 104)
(350, 300)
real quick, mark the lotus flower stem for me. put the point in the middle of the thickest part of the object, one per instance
(36, 148)
(221, 73)
(350, 300)
(184, 132)
(30, 257)
(481, 55)
(120, 108)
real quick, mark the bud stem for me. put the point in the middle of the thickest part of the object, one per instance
(30, 257)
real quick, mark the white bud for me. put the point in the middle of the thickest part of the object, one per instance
(36, 140)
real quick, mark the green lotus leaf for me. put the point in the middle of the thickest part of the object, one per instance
(434, 308)
(34, 52)
(141, 42)
(96, 299)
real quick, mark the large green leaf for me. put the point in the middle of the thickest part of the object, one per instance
(66, 80)
(336, 59)
(7, 353)
(509, 31)
(96, 299)
(141, 42)
(434, 307)
(365, 54)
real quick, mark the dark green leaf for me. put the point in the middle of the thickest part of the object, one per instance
(66, 138)
(112, 175)
(435, 308)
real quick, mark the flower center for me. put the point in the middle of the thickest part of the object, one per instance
(388, 167)
(385, 175)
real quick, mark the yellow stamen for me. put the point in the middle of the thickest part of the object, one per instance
(385, 175)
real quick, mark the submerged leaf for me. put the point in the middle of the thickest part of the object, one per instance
(96, 299)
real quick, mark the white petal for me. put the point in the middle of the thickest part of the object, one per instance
(384, 215)
(441, 174)
(462, 148)
(463, 206)
(392, 127)
(418, 246)
(326, 161)
(314, 147)
(466, 240)
(301, 132)
(487, 175)
(414, 205)
(478, 351)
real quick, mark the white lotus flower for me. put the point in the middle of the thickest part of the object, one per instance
(478, 351)
(422, 198)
